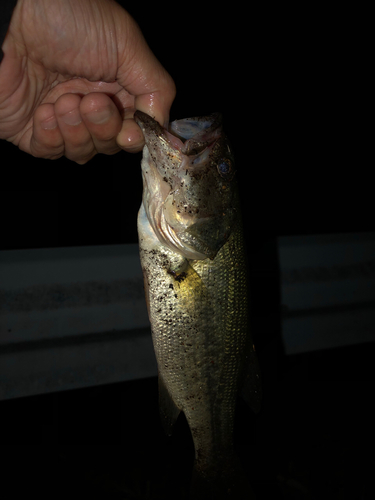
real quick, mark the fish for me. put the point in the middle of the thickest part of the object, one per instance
(193, 260)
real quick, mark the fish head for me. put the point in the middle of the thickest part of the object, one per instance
(190, 193)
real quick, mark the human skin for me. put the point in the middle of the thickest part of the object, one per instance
(73, 73)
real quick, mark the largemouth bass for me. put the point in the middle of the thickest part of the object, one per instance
(193, 261)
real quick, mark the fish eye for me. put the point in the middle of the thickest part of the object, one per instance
(225, 168)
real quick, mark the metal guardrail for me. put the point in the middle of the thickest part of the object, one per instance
(327, 290)
(72, 317)
(76, 316)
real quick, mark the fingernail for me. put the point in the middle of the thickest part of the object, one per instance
(99, 116)
(130, 144)
(49, 124)
(72, 117)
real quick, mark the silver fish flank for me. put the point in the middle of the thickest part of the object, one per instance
(194, 267)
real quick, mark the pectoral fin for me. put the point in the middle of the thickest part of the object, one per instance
(167, 408)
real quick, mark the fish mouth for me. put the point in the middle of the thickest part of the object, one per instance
(197, 133)
(189, 136)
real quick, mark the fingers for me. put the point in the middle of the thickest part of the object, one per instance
(156, 103)
(80, 127)
(46, 140)
(103, 121)
(77, 127)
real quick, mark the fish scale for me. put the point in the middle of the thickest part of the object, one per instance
(198, 307)
(197, 338)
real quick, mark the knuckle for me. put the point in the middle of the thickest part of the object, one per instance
(47, 152)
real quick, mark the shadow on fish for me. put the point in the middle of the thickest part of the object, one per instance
(194, 267)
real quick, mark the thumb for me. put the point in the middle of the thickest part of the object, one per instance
(143, 76)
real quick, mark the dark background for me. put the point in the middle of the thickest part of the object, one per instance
(283, 83)
(285, 86)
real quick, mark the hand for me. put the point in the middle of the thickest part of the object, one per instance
(73, 73)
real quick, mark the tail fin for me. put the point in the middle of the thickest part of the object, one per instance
(224, 482)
